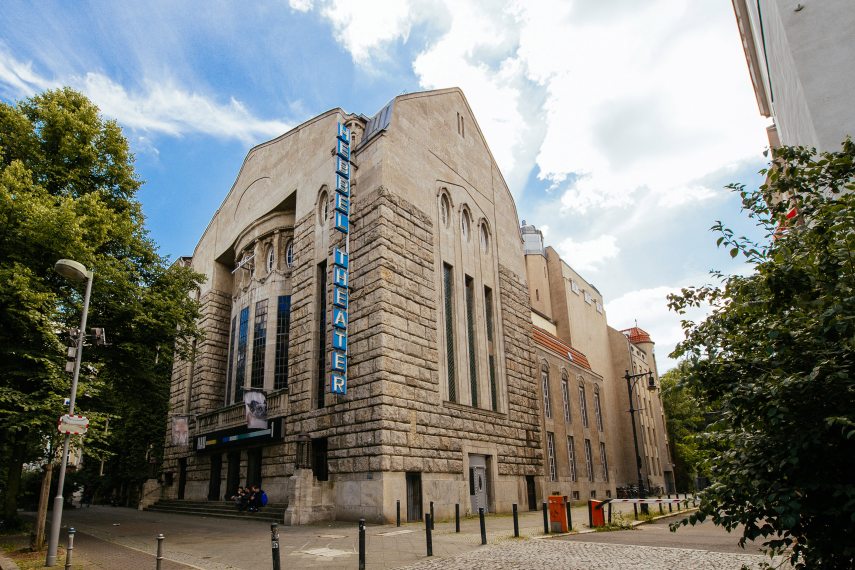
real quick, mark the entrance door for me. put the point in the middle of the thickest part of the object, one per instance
(215, 477)
(478, 482)
(253, 467)
(532, 494)
(182, 476)
(414, 497)
(233, 475)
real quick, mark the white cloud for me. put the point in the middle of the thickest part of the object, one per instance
(159, 107)
(364, 27)
(588, 255)
(301, 5)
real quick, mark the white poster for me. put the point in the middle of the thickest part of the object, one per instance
(256, 409)
(180, 431)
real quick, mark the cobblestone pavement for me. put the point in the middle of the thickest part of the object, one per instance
(541, 554)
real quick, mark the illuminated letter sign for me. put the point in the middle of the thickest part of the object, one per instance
(338, 356)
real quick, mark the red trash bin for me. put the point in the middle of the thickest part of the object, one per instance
(557, 514)
(598, 515)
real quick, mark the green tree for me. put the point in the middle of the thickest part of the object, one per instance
(68, 190)
(776, 357)
(687, 421)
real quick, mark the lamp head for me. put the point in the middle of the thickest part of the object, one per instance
(71, 270)
(651, 383)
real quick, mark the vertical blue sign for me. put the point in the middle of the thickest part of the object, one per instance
(338, 356)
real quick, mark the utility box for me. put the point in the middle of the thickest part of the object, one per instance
(557, 513)
(598, 517)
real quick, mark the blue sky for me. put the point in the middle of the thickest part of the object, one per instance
(616, 124)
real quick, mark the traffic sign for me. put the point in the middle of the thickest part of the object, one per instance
(76, 425)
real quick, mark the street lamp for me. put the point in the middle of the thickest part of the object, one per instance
(631, 381)
(77, 272)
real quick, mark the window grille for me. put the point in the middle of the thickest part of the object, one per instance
(550, 448)
(544, 377)
(583, 405)
(283, 326)
(604, 461)
(259, 343)
(565, 396)
(571, 454)
(470, 338)
(240, 374)
(589, 460)
(448, 288)
(491, 351)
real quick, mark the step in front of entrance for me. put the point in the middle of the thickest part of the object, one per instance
(273, 512)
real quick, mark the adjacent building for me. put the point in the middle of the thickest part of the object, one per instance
(379, 329)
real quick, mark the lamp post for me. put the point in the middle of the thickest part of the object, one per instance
(77, 272)
(631, 381)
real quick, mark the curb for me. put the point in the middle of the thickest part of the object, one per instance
(7, 564)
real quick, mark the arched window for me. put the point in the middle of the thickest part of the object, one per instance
(324, 208)
(465, 224)
(597, 411)
(544, 377)
(485, 238)
(444, 210)
(271, 259)
(583, 405)
(289, 254)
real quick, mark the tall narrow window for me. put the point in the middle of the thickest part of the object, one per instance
(240, 374)
(589, 460)
(544, 378)
(259, 343)
(321, 316)
(289, 254)
(283, 326)
(571, 453)
(491, 350)
(231, 364)
(448, 290)
(470, 338)
(565, 396)
(550, 451)
(598, 414)
(583, 405)
(604, 461)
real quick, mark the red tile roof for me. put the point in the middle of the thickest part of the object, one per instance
(637, 335)
(555, 344)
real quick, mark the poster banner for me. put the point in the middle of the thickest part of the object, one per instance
(180, 431)
(256, 409)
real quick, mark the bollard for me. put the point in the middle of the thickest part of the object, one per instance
(670, 504)
(568, 507)
(456, 517)
(610, 513)
(70, 548)
(361, 544)
(678, 502)
(545, 519)
(428, 536)
(516, 522)
(661, 511)
(159, 562)
(398, 512)
(274, 545)
(635, 510)
(483, 526)
(432, 517)
(590, 514)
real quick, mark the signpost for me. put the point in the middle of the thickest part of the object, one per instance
(338, 357)
(74, 425)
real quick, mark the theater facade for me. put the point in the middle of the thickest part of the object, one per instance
(370, 334)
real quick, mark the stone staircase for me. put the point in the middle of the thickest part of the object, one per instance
(272, 512)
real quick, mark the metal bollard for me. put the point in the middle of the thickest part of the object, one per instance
(70, 548)
(635, 510)
(428, 536)
(398, 512)
(361, 544)
(610, 513)
(590, 514)
(661, 511)
(545, 519)
(569, 514)
(516, 522)
(483, 525)
(274, 545)
(159, 563)
(670, 504)
(432, 517)
(456, 517)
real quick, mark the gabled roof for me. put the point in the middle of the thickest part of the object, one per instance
(637, 335)
(558, 346)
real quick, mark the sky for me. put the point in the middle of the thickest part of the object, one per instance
(616, 124)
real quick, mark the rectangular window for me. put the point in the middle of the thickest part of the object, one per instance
(565, 395)
(321, 316)
(230, 368)
(283, 326)
(259, 343)
(604, 461)
(574, 287)
(589, 460)
(583, 405)
(571, 453)
(491, 350)
(588, 298)
(470, 338)
(240, 374)
(598, 414)
(448, 291)
(544, 378)
(550, 452)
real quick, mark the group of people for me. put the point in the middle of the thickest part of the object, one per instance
(250, 498)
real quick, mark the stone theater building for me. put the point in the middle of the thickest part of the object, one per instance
(372, 288)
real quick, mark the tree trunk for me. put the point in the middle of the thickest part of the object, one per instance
(13, 483)
(44, 499)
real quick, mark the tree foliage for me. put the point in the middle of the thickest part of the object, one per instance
(68, 190)
(687, 421)
(776, 357)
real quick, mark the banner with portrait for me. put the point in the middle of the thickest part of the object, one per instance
(180, 431)
(256, 409)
